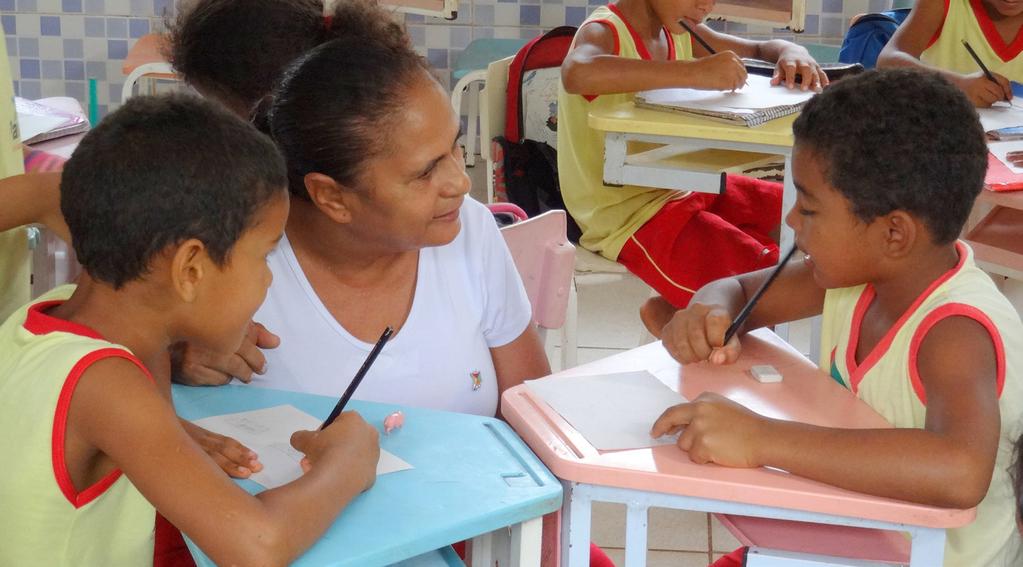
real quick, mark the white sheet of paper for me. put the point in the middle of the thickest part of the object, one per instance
(1001, 115)
(612, 411)
(757, 94)
(268, 432)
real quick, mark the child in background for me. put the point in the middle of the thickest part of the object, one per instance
(15, 268)
(675, 241)
(910, 324)
(932, 36)
(174, 248)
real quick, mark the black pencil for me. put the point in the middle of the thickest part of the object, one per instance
(340, 407)
(697, 37)
(980, 63)
(748, 308)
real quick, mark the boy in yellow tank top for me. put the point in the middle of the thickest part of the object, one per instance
(910, 324)
(173, 249)
(674, 240)
(932, 36)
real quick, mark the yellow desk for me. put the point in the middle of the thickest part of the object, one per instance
(630, 129)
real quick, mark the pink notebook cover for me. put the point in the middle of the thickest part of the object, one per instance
(1000, 177)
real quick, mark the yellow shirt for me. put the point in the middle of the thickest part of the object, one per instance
(887, 379)
(45, 520)
(608, 216)
(15, 266)
(969, 20)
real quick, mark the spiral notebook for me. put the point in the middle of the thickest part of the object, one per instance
(752, 105)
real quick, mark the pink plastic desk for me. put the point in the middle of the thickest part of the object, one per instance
(665, 477)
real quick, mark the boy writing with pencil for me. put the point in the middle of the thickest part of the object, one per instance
(173, 205)
(910, 324)
(674, 240)
(936, 34)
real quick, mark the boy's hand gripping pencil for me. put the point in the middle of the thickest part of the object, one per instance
(340, 407)
(980, 63)
(748, 308)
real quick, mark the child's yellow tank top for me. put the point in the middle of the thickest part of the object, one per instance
(887, 379)
(969, 20)
(45, 520)
(14, 254)
(608, 216)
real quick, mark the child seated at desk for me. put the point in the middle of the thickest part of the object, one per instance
(910, 324)
(173, 206)
(674, 241)
(932, 36)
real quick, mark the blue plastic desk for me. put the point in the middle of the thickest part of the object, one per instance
(472, 476)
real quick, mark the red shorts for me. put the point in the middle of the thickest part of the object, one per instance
(704, 237)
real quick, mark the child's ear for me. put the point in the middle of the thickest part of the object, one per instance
(329, 196)
(188, 266)
(901, 231)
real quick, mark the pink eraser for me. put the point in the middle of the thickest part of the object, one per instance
(394, 421)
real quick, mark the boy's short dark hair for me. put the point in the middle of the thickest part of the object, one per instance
(161, 170)
(899, 140)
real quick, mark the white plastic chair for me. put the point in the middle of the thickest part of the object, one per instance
(544, 259)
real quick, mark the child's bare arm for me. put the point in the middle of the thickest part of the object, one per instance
(32, 198)
(593, 68)
(911, 39)
(697, 332)
(948, 463)
(118, 412)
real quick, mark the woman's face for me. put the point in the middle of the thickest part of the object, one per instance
(408, 196)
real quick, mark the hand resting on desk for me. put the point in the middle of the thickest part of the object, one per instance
(235, 459)
(714, 429)
(194, 365)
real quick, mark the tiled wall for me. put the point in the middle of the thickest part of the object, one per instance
(55, 45)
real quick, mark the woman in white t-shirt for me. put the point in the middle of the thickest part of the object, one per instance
(381, 234)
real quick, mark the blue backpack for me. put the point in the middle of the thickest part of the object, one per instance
(868, 36)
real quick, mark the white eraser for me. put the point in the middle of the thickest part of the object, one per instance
(765, 374)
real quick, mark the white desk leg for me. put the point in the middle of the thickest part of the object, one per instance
(525, 543)
(635, 535)
(575, 526)
(483, 550)
(615, 146)
(928, 547)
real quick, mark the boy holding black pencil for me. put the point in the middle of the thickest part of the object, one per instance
(675, 241)
(933, 35)
(910, 324)
(173, 235)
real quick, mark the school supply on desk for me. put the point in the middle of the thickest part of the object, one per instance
(752, 105)
(748, 308)
(340, 407)
(1007, 134)
(1000, 176)
(268, 433)
(49, 118)
(612, 411)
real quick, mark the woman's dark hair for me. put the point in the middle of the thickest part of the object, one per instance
(236, 50)
(335, 105)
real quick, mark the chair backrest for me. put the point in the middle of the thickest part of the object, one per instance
(545, 260)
